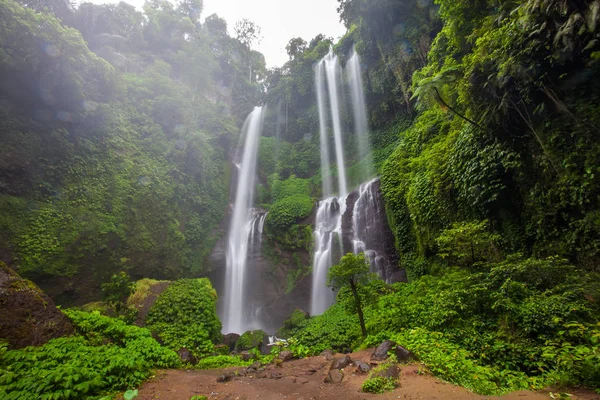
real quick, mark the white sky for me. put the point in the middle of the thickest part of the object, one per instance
(280, 20)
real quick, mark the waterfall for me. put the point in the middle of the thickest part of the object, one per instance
(328, 224)
(352, 221)
(332, 69)
(359, 109)
(328, 229)
(368, 227)
(242, 228)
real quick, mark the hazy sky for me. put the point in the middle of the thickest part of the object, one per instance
(280, 20)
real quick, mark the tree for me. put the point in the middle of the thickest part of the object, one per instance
(248, 33)
(353, 270)
(295, 48)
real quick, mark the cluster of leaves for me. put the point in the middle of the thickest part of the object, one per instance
(109, 356)
(378, 385)
(292, 323)
(288, 211)
(250, 340)
(334, 330)
(222, 361)
(185, 315)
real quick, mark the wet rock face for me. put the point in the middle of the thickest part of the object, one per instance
(365, 229)
(28, 317)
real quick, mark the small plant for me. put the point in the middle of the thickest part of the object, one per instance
(117, 290)
(379, 385)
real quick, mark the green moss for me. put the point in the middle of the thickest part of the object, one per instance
(141, 291)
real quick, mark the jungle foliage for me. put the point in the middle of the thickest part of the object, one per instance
(116, 129)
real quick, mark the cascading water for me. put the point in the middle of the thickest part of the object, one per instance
(359, 108)
(242, 228)
(350, 222)
(369, 227)
(328, 224)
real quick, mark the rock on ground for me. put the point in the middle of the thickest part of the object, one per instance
(28, 317)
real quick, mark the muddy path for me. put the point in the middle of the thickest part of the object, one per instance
(304, 380)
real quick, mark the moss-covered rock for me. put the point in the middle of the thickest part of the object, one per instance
(28, 317)
(251, 340)
(145, 294)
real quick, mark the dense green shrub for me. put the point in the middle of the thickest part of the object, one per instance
(184, 315)
(288, 211)
(378, 385)
(222, 361)
(250, 340)
(110, 356)
(335, 330)
(292, 323)
(290, 187)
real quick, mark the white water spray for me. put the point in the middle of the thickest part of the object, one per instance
(242, 227)
(359, 108)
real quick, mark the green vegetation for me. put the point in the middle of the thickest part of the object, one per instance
(353, 271)
(250, 340)
(185, 315)
(116, 152)
(379, 385)
(222, 361)
(109, 356)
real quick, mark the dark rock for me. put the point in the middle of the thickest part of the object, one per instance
(285, 355)
(186, 356)
(256, 365)
(362, 367)
(28, 317)
(341, 362)
(226, 377)
(392, 371)
(230, 340)
(334, 376)
(275, 375)
(404, 355)
(328, 354)
(246, 356)
(381, 352)
(261, 375)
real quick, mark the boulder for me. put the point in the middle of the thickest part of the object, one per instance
(230, 340)
(381, 352)
(341, 362)
(404, 355)
(285, 355)
(334, 376)
(186, 356)
(328, 354)
(28, 317)
(362, 367)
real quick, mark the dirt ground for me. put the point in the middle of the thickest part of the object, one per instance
(304, 380)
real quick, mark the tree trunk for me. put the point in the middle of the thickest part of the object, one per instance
(361, 318)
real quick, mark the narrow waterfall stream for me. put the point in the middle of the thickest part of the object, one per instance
(245, 222)
(362, 233)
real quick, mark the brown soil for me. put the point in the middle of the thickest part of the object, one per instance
(303, 380)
